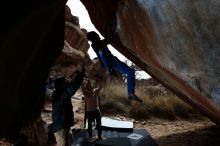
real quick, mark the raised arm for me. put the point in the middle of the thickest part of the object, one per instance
(97, 90)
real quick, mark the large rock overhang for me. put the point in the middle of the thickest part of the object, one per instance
(31, 39)
(176, 42)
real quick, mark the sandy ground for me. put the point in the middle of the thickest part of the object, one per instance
(166, 133)
(182, 133)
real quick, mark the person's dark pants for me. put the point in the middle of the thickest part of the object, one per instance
(62, 114)
(94, 115)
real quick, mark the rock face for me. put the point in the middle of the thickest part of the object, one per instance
(75, 46)
(31, 39)
(176, 42)
(75, 50)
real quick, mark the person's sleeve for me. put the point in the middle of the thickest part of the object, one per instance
(78, 78)
(104, 61)
(99, 47)
(74, 85)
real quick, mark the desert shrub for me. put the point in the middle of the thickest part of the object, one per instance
(115, 107)
(167, 106)
(139, 111)
(114, 91)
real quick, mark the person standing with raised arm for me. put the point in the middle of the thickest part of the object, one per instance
(92, 106)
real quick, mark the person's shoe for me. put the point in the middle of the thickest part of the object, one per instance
(134, 97)
(93, 139)
(101, 138)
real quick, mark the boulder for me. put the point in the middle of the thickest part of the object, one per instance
(75, 46)
(31, 40)
(176, 42)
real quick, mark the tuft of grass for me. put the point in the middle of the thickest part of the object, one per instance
(167, 106)
(115, 107)
(115, 91)
(139, 111)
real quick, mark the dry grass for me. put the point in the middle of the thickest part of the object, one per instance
(114, 100)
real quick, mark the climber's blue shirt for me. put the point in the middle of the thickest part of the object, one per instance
(104, 55)
(103, 59)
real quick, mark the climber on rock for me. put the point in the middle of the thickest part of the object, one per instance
(112, 63)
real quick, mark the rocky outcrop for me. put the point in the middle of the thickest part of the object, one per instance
(176, 42)
(75, 46)
(75, 50)
(31, 39)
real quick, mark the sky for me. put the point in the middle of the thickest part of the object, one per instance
(78, 9)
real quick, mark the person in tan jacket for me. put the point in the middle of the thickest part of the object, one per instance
(92, 106)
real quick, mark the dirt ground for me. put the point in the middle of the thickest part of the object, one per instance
(170, 133)
(165, 133)
(182, 133)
